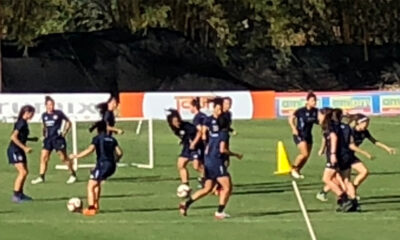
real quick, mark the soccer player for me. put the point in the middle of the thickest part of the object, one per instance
(301, 122)
(106, 110)
(17, 151)
(215, 170)
(187, 133)
(360, 133)
(108, 154)
(331, 178)
(198, 121)
(54, 139)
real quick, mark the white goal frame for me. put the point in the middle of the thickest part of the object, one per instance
(150, 164)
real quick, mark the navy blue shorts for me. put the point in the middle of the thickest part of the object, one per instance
(103, 170)
(298, 139)
(58, 144)
(345, 162)
(355, 160)
(214, 170)
(16, 155)
(196, 154)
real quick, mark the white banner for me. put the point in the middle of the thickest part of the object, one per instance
(75, 106)
(155, 104)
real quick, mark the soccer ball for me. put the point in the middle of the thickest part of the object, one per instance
(183, 191)
(74, 205)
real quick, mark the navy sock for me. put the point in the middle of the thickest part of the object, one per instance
(17, 193)
(189, 202)
(91, 207)
(221, 208)
(42, 176)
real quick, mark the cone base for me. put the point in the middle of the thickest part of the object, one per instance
(282, 173)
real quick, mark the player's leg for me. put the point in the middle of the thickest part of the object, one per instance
(62, 154)
(44, 159)
(350, 189)
(300, 159)
(208, 186)
(91, 211)
(224, 196)
(183, 172)
(19, 195)
(362, 173)
(97, 192)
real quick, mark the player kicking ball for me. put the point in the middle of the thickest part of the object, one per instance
(108, 154)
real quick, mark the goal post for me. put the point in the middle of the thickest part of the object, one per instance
(76, 136)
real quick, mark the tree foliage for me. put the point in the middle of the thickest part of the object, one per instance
(217, 24)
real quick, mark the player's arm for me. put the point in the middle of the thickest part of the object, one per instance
(224, 150)
(381, 145)
(292, 123)
(16, 141)
(322, 149)
(356, 149)
(198, 137)
(68, 125)
(114, 129)
(84, 153)
(333, 141)
(118, 153)
(33, 139)
(44, 130)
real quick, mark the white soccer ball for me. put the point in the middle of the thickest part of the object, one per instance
(74, 205)
(183, 191)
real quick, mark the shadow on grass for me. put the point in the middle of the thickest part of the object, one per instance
(6, 212)
(271, 187)
(381, 197)
(103, 197)
(146, 179)
(380, 202)
(158, 209)
(275, 213)
(384, 173)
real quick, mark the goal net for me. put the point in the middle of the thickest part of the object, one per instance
(136, 143)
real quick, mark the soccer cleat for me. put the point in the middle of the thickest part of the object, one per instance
(16, 199)
(37, 180)
(183, 209)
(322, 197)
(72, 179)
(347, 206)
(222, 215)
(89, 212)
(296, 174)
(358, 198)
(26, 198)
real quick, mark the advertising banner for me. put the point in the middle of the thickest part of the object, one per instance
(353, 103)
(76, 106)
(390, 104)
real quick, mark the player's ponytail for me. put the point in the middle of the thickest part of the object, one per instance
(25, 109)
(196, 103)
(337, 115)
(173, 113)
(101, 127)
(327, 113)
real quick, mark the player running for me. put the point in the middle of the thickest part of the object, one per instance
(54, 139)
(215, 170)
(106, 110)
(301, 122)
(187, 133)
(17, 151)
(108, 154)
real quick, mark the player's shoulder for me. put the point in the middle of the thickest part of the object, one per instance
(20, 123)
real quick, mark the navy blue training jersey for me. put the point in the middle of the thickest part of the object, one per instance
(212, 125)
(359, 136)
(52, 122)
(187, 132)
(23, 131)
(333, 128)
(228, 116)
(105, 147)
(109, 118)
(199, 119)
(345, 138)
(305, 121)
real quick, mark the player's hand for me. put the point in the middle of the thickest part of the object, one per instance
(392, 151)
(72, 156)
(120, 131)
(295, 132)
(27, 149)
(369, 156)
(34, 139)
(333, 159)
(321, 152)
(239, 156)
(41, 138)
(234, 133)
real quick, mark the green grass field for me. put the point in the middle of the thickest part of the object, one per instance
(141, 204)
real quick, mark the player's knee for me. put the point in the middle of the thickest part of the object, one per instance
(23, 172)
(365, 172)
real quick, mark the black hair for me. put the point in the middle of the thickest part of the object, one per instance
(223, 123)
(311, 94)
(228, 98)
(103, 107)
(173, 113)
(48, 99)
(217, 101)
(101, 127)
(25, 109)
(196, 103)
(337, 115)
